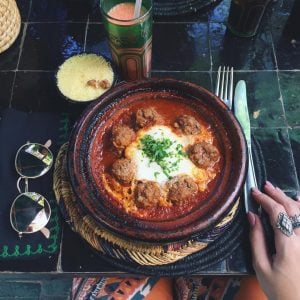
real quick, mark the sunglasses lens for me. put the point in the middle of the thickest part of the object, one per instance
(33, 160)
(30, 212)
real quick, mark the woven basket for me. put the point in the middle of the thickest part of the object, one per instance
(10, 23)
(114, 246)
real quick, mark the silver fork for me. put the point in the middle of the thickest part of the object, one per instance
(224, 85)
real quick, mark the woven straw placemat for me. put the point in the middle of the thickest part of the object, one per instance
(201, 261)
(10, 23)
(114, 246)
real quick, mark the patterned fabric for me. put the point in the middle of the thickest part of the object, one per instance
(202, 288)
(181, 288)
(113, 288)
(217, 288)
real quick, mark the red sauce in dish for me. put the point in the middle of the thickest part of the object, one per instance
(104, 154)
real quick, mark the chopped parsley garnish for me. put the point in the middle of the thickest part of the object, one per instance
(161, 151)
(156, 174)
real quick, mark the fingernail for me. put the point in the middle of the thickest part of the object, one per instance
(255, 191)
(297, 198)
(251, 218)
(269, 185)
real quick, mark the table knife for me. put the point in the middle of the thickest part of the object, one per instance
(242, 114)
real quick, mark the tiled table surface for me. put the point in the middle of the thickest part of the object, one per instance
(188, 47)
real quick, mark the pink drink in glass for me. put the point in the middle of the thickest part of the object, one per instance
(130, 38)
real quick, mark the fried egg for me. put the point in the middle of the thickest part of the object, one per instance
(175, 160)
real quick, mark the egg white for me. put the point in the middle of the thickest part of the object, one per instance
(146, 170)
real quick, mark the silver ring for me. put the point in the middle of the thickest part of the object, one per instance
(284, 224)
(295, 221)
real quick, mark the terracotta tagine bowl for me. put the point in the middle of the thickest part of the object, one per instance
(157, 160)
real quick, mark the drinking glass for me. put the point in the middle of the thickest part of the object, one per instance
(245, 16)
(130, 38)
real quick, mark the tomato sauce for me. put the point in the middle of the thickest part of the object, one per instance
(103, 154)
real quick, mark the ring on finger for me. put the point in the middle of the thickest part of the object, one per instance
(284, 224)
(295, 221)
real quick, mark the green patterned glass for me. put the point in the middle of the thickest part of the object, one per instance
(130, 40)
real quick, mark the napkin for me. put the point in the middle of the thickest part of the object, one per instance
(16, 128)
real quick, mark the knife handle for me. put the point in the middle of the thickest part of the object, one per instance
(250, 204)
(251, 178)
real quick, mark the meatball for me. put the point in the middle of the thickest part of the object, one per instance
(147, 194)
(123, 170)
(203, 154)
(188, 124)
(181, 188)
(146, 116)
(122, 136)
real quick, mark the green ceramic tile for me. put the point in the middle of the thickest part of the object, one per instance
(241, 53)
(217, 43)
(6, 79)
(47, 45)
(264, 104)
(21, 298)
(28, 290)
(278, 157)
(295, 143)
(290, 89)
(280, 7)
(24, 7)
(200, 78)
(56, 287)
(96, 41)
(9, 58)
(180, 47)
(220, 12)
(280, 18)
(64, 297)
(278, 29)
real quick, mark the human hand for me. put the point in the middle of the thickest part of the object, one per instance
(278, 275)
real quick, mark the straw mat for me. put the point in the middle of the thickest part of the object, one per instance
(114, 246)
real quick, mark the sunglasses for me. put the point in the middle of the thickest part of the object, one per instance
(30, 211)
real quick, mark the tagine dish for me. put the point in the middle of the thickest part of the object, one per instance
(157, 160)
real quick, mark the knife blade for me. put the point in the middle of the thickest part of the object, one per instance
(242, 114)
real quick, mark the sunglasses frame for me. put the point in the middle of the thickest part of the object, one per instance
(46, 169)
(44, 230)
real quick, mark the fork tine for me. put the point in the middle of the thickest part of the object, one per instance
(226, 83)
(230, 98)
(218, 82)
(222, 84)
